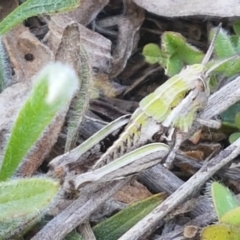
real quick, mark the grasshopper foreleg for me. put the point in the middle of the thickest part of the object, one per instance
(179, 136)
(181, 118)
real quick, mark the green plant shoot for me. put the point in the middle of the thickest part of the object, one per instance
(53, 89)
(32, 8)
(175, 53)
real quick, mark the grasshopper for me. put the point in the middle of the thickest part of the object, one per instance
(171, 106)
(158, 111)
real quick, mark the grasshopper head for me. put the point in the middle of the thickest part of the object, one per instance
(194, 75)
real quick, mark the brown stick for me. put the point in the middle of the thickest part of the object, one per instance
(78, 212)
(149, 223)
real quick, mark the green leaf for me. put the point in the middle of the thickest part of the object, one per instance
(236, 27)
(233, 137)
(174, 65)
(117, 225)
(236, 42)
(178, 52)
(191, 55)
(73, 236)
(80, 103)
(229, 115)
(213, 83)
(224, 47)
(175, 43)
(152, 53)
(4, 67)
(18, 227)
(52, 91)
(221, 232)
(237, 120)
(223, 199)
(231, 217)
(172, 43)
(20, 198)
(32, 8)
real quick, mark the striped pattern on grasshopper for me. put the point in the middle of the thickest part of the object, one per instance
(154, 110)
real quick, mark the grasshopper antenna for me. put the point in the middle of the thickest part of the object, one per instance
(211, 47)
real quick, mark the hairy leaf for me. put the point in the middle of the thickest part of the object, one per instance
(32, 8)
(53, 90)
(25, 197)
(223, 199)
(220, 232)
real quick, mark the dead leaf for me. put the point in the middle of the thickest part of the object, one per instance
(7, 6)
(87, 11)
(197, 155)
(103, 86)
(195, 138)
(27, 54)
(128, 36)
(11, 100)
(132, 193)
(69, 47)
(97, 46)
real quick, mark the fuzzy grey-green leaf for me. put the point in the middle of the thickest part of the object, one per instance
(4, 67)
(25, 197)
